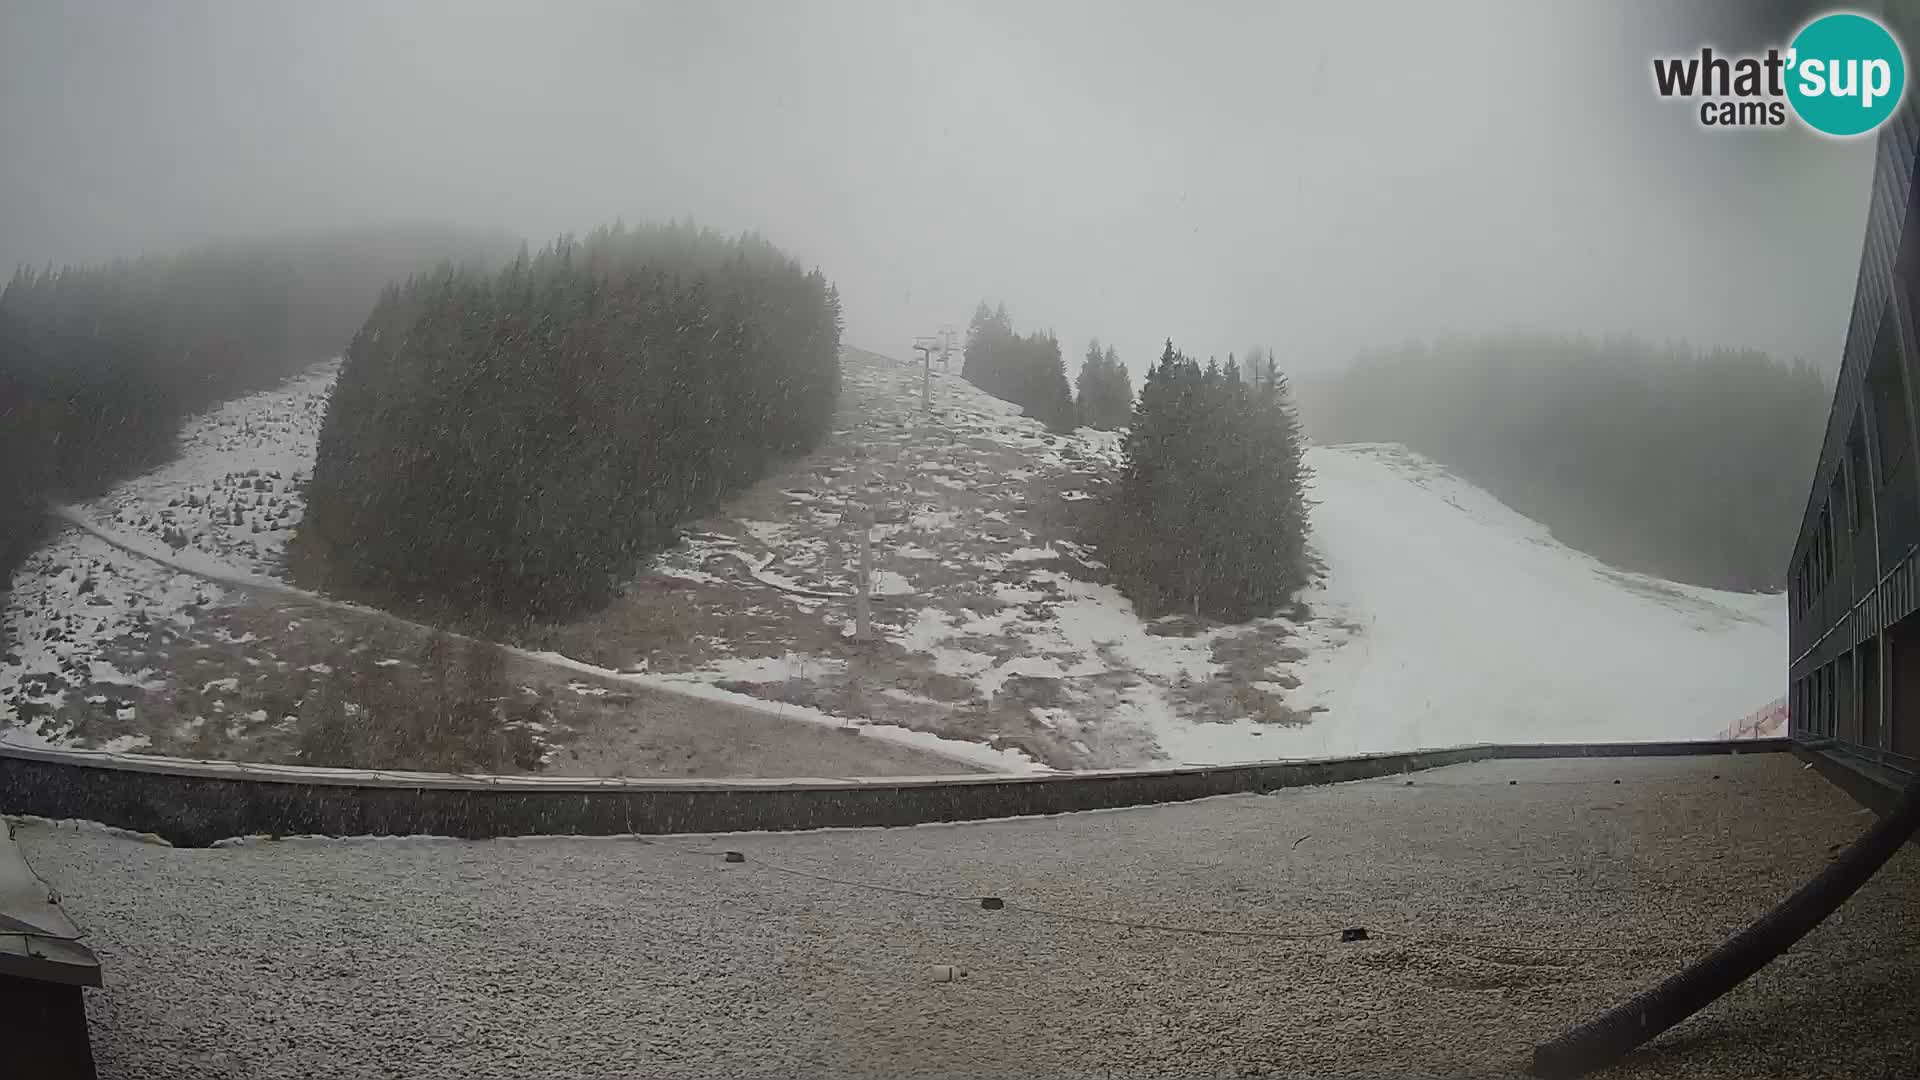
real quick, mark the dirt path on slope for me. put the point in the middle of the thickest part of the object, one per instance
(233, 679)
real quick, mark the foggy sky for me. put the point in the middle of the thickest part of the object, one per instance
(1319, 177)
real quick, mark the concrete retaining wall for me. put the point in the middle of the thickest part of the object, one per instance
(193, 804)
(1872, 785)
(1647, 749)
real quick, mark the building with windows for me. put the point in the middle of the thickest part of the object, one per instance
(1854, 588)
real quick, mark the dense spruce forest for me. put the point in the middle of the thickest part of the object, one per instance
(510, 445)
(100, 365)
(1103, 393)
(1025, 370)
(1209, 513)
(1686, 464)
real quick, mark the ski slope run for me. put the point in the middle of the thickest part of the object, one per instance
(1454, 619)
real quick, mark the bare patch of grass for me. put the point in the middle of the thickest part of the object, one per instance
(673, 626)
(463, 715)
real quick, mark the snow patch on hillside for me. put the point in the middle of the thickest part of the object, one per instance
(236, 492)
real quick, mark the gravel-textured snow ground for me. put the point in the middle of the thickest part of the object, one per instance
(620, 958)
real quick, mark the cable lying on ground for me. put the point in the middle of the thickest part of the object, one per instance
(995, 903)
(1610, 1037)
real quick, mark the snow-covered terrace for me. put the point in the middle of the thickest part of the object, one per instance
(1504, 902)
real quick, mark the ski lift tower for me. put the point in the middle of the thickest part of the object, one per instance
(948, 335)
(926, 347)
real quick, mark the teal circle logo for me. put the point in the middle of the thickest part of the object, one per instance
(1846, 74)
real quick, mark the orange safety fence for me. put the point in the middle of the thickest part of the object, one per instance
(1767, 723)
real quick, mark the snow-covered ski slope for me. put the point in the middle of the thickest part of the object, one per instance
(1444, 617)
(1448, 618)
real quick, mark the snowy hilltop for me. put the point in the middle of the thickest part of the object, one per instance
(1441, 617)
